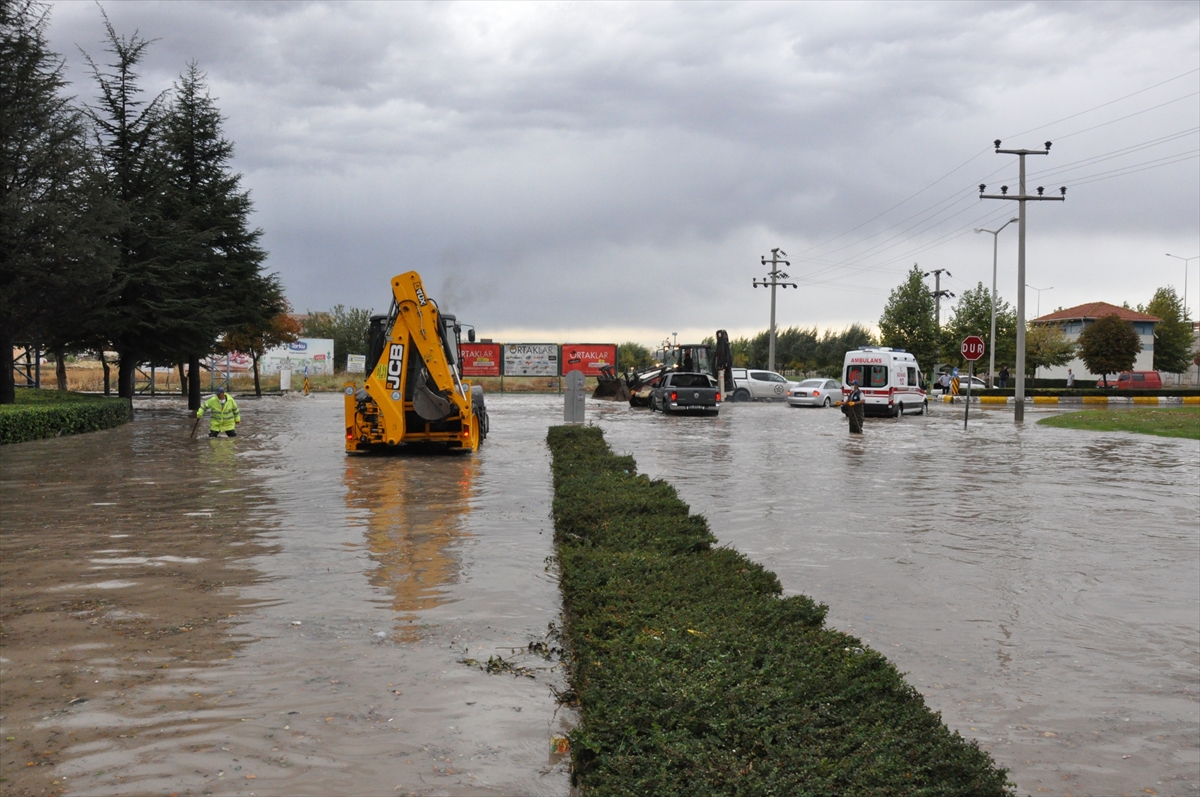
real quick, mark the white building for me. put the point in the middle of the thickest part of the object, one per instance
(1074, 319)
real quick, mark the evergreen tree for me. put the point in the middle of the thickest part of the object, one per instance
(1108, 346)
(142, 300)
(216, 258)
(908, 323)
(1173, 334)
(54, 261)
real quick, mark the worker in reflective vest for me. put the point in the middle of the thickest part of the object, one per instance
(225, 415)
(855, 408)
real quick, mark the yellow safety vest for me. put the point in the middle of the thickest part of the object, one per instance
(224, 416)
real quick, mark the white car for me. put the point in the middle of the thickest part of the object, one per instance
(815, 393)
(751, 384)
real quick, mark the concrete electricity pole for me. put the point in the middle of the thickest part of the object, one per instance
(773, 280)
(1021, 198)
(938, 293)
(992, 339)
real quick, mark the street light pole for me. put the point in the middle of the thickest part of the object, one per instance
(1039, 299)
(992, 337)
(1185, 260)
(1021, 198)
(773, 280)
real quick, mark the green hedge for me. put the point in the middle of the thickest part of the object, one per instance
(693, 675)
(37, 416)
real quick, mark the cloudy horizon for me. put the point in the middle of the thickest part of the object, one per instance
(614, 172)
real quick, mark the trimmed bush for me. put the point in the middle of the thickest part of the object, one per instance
(695, 677)
(43, 414)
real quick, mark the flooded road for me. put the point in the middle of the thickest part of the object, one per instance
(268, 616)
(1041, 587)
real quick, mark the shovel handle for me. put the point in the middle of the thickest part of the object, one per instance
(194, 427)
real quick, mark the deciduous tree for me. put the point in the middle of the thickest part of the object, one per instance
(347, 326)
(1046, 347)
(972, 315)
(633, 355)
(908, 323)
(1108, 346)
(1173, 350)
(256, 338)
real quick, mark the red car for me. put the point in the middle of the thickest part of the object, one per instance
(1139, 380)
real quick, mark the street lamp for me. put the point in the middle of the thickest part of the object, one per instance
(1039, 299)
(1185, 260)
(992, 338)
(1039, 313)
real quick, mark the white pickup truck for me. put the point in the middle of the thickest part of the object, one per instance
(751, 384)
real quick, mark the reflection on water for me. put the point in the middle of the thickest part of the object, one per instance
(415, 510)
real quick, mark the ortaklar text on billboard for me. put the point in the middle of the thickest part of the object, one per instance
(588, 357)
(531, 359)
(479, 359)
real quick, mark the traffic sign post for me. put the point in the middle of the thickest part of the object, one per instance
(972, 349)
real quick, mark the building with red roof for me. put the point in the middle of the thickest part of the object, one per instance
(1073, 320)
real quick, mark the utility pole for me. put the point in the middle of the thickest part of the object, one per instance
(1021, 198)
(773, 281)
(992, 338)
(938, 293)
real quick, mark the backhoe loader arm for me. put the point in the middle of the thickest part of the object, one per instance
(423, 320)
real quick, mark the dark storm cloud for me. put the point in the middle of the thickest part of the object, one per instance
(592, 166)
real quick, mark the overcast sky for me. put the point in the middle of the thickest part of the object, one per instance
(611, 172)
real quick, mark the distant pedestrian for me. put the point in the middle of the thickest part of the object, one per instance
(944, 382)
(225, 415)
(1070, 378)
(854, 408)
(1004, 376)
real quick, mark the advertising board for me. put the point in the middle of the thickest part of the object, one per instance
(588, 357)
(531, 359)
(479, 359)
(316, 353)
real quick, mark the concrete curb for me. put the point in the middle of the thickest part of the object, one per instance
(1072, 400)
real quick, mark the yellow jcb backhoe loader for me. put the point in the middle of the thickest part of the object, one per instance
(413, 393)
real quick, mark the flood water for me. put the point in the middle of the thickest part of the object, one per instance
(266, 615)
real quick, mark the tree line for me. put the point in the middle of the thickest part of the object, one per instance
(1107, 346)
(123, 227)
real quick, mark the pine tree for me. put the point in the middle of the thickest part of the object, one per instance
(908, 323)
(1173, 334)
(217, 258)
(1108, 346)
(54, 260)
(142, 301)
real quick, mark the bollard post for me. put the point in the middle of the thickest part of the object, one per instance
(573, 398)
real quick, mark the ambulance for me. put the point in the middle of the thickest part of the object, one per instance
(890, 380)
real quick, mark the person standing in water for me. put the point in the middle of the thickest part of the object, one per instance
(225, 415)
(854, 408)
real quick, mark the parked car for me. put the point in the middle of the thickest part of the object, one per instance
(815, 393)
(1139, 380)
(686, 392)
(976, 383)
(751, 384)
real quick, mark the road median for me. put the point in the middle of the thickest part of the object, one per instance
(694, 675)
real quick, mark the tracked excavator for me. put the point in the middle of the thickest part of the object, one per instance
(413, 393)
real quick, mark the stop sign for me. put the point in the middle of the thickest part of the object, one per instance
(972, 347)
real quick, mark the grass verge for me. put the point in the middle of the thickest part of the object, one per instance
(1161, 421)
(49, 413)
(694, 676)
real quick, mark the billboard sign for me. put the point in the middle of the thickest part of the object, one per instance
(315, 354)
(588, 357)
(531, 359)
(479, 359)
